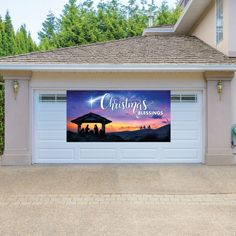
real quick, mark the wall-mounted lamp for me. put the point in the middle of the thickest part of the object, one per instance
(15, 87)
(220, 88)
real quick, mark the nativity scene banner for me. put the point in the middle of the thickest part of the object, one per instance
(118, 116)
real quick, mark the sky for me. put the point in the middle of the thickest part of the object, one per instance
(128, 110)
(34, 12)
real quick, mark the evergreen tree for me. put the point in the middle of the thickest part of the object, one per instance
(163, 14)
(22, 40)
(111, 22)
(87, 22)
(46, 45)
(70, 31)
(175, 14)
(167, 15)
(12, 43)
(84, 23)
(49, 29)
(9, 43)
(137, 19)
(31, 44)
(2, 37)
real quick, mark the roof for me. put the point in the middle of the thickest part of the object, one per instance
(137, 50)
(91, 118)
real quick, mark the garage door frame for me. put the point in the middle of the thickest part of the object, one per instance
(62, 90)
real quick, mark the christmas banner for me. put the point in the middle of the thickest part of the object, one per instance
(118, 116)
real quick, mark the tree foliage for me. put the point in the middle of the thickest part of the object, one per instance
(166, 15)
(85, 23)
(24, 42)
(11, 42)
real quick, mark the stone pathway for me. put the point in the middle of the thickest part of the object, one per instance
(108, 199)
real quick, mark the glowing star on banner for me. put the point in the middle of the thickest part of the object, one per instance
(92, 100)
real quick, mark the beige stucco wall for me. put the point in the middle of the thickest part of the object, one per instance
(219, 119)
(205, 28)
(17, 119)
(118, 80)
(233, 92)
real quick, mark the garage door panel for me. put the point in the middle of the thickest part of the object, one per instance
(47, 106)
(139, 154)
(185, 116)
(52, 135)
(98, 154)
(184, 107)
(52, 125)
(185, 135)
(62, 153)
(180, 153)
(113, 145)
(52, 116)
(181, 161)
(183, 144)
(51, 146)
(184, 125)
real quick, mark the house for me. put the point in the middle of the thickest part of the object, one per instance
(195, 59)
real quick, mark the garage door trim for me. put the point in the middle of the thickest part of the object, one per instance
(149, 146)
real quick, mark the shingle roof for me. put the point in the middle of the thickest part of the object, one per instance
(144, 49)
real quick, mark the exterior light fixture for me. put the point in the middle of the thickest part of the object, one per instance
(220, 88)
(15, 88)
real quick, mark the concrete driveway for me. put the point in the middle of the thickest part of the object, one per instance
(118, 200)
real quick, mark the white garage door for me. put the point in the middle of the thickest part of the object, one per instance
(50, 144)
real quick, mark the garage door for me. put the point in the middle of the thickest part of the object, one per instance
(50, 144)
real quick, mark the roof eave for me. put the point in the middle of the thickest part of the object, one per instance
(192, 12)
(117, 67)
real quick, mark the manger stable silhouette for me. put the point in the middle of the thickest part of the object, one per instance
(91, 118)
